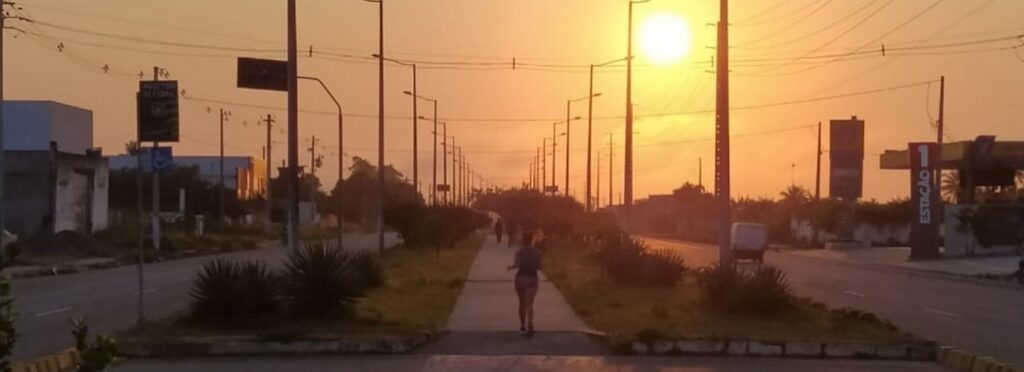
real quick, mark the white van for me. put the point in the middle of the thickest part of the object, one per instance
(749, 241)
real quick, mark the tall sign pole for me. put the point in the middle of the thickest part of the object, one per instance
(3, 169)
(293, 130)
(941, 134)
(156, 185)
(722, 174)
(270, 173)
(415, 133)
(817, 188)
(924, 228)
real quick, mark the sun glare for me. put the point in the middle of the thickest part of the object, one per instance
(665, 38)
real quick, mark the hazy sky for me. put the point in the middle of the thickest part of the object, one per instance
(500, 116)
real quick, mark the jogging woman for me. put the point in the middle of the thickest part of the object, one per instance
(527, 264)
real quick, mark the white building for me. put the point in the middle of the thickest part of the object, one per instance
(54, 179)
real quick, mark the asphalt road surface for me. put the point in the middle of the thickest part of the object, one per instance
(468, 363)
(108, 299)
(983, 318)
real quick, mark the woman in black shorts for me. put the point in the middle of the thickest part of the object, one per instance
(527, 264)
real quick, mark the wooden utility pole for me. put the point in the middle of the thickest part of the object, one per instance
(722, 161)
(941, 123)
(270, 174)
(220, 184)
(611, 160)
(817, 191)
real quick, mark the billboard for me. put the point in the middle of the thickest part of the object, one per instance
(924, 199)
(157, 111)
(263, 74)
(846, 155)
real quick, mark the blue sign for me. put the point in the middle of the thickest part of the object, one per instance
(161, 159)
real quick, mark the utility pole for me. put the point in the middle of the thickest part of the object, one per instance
(415, 133)
(220, 185)
(817, 189)
(380, 135)
(156, 184)
(700, 173)
(611, 160)
(444, 151)
(568, 142)
(312, 156)
(544, 167)
(598, 180)
(433, 191)
(293, 130)
(590, 130)
(554, 161)
(941, 133)
(3, 169)
(270, 172)
(722, 177)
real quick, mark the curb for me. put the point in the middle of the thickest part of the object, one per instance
(792, 349)
(252, 346)
(60, 362)
(964, 361)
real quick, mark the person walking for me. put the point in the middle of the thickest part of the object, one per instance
(527, 264)
(499, 229)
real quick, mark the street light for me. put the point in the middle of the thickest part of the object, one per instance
(628, 168)
(415, 127)
(444, 150)
(433, 192)
(380, 125)
(341, 152)
(554, 152)
(568, 128)
(590, 125)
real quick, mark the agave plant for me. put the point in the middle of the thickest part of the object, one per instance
(227, 291)
(323, 281)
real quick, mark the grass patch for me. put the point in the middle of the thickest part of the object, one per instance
(418, 293)
(627, 312)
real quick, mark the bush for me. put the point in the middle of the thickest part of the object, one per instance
(323, 281)
(629, 261)
(226, 291)
(729, 289)
(438, 226)
(97, 356)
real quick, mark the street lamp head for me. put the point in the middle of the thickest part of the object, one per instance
(596, 95)
(408, 93)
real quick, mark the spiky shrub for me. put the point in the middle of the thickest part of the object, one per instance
(719, 285)
(322, 281)
(664, 268)
(728, 288)
(367, 267)
(227, 292)
(98, 355)
(766, 291)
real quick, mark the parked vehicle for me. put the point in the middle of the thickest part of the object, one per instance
(749, 241)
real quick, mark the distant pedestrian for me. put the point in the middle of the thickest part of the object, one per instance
(499, 229)
(527, 264)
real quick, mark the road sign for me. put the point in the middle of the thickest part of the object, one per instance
(161, 159)
(444, 188)
(263, 74)
(846, 176)
(924, 199)
(157, 111)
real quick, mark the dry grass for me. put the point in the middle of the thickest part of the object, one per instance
(625, 312)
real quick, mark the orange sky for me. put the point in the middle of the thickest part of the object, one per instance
(984, 87)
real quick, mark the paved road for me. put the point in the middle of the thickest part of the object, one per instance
(985, 319)
(468, 363)
(108, 299)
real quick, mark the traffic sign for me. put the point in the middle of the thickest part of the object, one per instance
(263, 74)
(157, 111)
(161, 159)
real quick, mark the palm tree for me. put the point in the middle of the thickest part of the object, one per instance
(950, 188)
(795, 196)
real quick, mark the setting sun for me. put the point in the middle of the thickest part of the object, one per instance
(665, 38)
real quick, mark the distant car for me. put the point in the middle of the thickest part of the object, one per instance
(749, 241)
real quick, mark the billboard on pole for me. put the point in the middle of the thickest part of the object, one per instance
(158, 111)
(846, 155)
(263, 74)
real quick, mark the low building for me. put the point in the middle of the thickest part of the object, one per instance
(244, 174)
(54, 180)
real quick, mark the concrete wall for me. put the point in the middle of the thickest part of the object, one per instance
(32, 125)
(27, 190)
(865, 233)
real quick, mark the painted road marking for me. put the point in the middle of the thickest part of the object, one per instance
(855, 294)
(940, 312)
(52, 312)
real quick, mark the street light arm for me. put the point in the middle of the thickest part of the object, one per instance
(336, 103)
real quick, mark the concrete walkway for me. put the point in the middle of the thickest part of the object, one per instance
(485, 319)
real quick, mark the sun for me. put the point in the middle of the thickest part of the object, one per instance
(665, 38)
